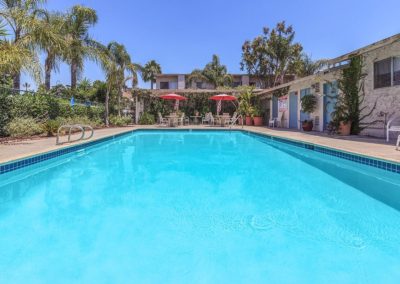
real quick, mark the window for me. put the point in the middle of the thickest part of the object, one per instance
(199, 85)
(236, 84)
(382, 73)
(164, 85)
(396, 70)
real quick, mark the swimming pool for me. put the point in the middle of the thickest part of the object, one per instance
(199, 207)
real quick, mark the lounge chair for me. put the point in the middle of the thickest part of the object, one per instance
(162, 121)
(393, 125)
(398, 143)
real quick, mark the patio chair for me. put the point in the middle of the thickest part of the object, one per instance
(393, 125)
(398, 143)
(276, 121)
(183, 119)
(207, 119)
(162, 121)
(232, 119)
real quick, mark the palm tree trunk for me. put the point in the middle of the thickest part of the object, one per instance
(107, 111)
(47, 67)
(74, 75)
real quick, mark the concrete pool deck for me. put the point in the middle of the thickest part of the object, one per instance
(373, 147)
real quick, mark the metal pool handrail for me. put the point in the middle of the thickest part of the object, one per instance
(237, 118)
(70, 128)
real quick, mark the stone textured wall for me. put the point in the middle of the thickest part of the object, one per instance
(388, 99)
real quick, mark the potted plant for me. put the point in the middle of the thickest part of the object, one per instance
(308, 105)
(340, 123)
(257, 118)
(245, 107)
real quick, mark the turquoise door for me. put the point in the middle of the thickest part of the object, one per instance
(293, 108)
(304, 116)
(330, 98)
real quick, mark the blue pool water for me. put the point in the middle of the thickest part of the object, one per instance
(199, 207)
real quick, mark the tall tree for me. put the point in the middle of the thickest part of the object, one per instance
(272, 55)
(115, 62)
(23, 19)
(214, 73)
(81, 45)
(150, 70)
(307, 66)
(55, 51)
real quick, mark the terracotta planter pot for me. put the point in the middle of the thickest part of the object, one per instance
(258, 121)
(344, 128)
(248, 120)
(307, 125)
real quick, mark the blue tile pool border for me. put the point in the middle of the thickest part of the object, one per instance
(366, 160)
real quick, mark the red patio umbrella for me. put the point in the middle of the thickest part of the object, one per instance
(175, 97)
(220, 98)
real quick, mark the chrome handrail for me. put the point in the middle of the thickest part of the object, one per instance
(70, 127)
(237, 118)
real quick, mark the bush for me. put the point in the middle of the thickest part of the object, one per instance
(120, 120)
(5, 109)
(147, 119)
(24, 127)
(51, 126)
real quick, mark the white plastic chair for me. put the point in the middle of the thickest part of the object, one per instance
(398, 143)
(162, 121)
(390, 127)
(232, 119)
(208, 118)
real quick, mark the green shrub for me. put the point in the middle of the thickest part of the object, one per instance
(147, 119)
(5, 111)
(24, 127)
(308, 103)
(120, 120)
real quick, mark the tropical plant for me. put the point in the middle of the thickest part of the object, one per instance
(272, 55)
(147, 119)
(150, 70)
(349, 106)
(81, 46)
(245, 101)
(55, 50)
(307, 66)
(214, 73)
(308, 103)
(27, 31)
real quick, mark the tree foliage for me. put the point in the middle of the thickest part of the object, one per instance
(272, 55)
(150, 70)
(214, 73)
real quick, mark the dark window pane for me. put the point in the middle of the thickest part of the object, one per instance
(382, 73)
(164, 85)
(199, 85)
(396, 71)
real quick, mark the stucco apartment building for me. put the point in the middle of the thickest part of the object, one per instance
(381, 86)
(180, 82)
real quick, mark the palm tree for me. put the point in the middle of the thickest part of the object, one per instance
(307, 66)
(150, 70)
(214, 73)
(81, 45)
(22, 18)
(115, 61)
(55, 51)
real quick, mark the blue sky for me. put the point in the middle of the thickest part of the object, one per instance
(183, 34)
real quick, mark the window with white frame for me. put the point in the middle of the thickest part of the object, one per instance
(387, 72)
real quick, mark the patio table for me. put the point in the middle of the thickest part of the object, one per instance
(172, 120)
(196, 119)
(222, 119)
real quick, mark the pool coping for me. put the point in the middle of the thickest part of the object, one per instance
(376, 162)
